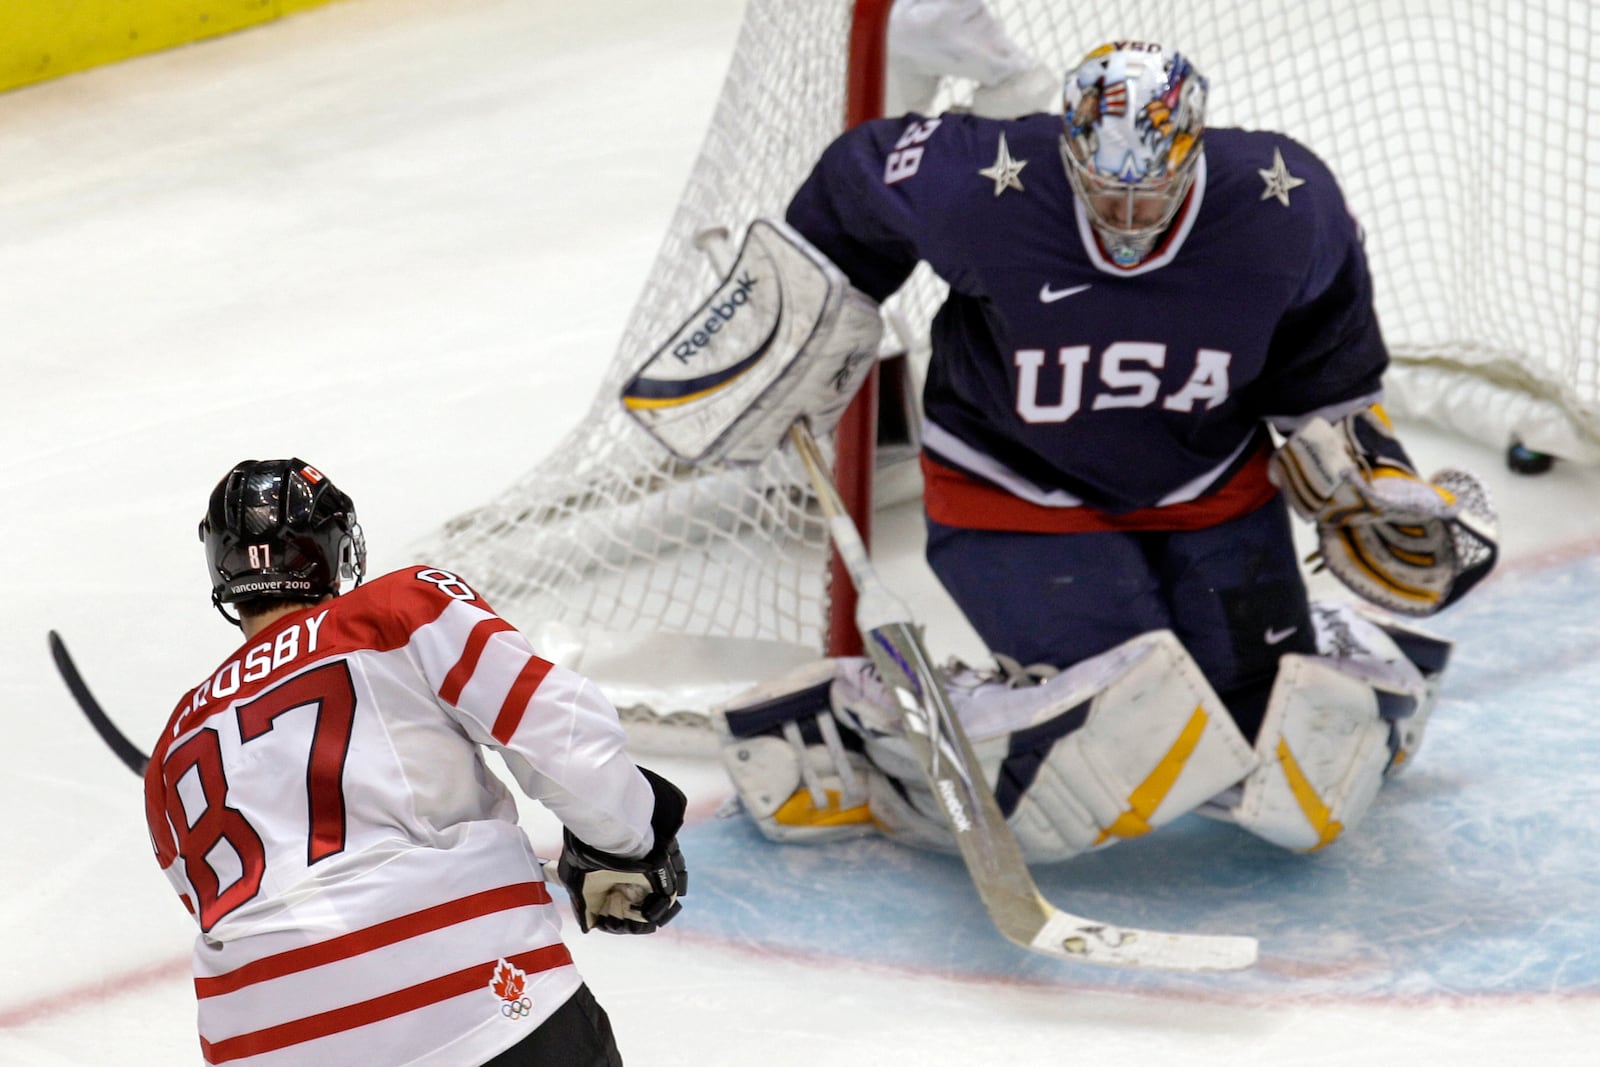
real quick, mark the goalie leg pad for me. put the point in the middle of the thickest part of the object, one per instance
(795, 752)
(1107, 750)
(1404, 665)
(800, 778)
(1110, 749)
(1430, 655)
(1323, 748)
(1148, 741)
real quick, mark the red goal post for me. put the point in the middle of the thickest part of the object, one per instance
(855, 438)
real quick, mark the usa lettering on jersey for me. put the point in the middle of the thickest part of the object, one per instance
(1126, 370)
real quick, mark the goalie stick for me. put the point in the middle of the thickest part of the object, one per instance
(988, 847)
(125, 750)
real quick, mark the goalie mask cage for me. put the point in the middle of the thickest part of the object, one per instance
(1463, 135)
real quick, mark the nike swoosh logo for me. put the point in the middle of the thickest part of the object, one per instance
(1275, 637)
(1048, 295)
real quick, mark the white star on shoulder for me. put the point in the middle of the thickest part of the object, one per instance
(1005, 170)
(1279, 180)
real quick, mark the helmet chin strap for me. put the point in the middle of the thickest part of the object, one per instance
(216, 602)
(353, 563)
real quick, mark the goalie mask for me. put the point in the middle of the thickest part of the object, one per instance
(1134, 121)
(279, 530)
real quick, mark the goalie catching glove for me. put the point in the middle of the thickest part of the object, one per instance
(1402, 543)
(629, 896)
(785, 336)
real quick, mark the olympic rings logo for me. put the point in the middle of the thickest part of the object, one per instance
(516, 1009)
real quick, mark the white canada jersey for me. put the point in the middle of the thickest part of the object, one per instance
(322, 807)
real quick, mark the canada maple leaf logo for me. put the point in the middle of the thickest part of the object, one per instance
(507, 981)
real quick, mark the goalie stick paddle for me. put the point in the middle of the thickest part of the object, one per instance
(125, 750)
(988, 847)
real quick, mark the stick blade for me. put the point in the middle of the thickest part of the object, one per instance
(126, 751)
(1081, 940)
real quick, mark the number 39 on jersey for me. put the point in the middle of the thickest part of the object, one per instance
(903, 162)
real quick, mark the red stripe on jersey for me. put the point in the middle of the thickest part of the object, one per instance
(461, 673)
(510, 717)
(345, 946)
(363, 1013)
(954, 499)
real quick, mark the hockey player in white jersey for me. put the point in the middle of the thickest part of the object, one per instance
(321, 804)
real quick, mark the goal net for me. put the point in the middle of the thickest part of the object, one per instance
(1463, 134)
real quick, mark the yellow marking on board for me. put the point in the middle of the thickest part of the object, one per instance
(48, 38)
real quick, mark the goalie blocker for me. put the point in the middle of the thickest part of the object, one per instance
(784, 336)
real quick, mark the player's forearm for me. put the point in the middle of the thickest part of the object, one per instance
(579, 768)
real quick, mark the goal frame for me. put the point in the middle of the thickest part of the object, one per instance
(855, 439)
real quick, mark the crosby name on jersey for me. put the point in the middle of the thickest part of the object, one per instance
(1041, 396)
(363, 893)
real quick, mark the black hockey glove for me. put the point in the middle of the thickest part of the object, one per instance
(629, 896)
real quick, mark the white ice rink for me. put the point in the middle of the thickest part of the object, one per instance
(399, 238)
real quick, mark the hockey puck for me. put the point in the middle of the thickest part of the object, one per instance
(1525, 460)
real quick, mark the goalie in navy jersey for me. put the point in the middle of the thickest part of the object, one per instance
(321, 805)
(1158, 339)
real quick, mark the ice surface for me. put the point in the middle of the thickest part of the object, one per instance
(400, 238)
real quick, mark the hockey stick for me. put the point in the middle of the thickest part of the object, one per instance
(989, 849)
(125, 750)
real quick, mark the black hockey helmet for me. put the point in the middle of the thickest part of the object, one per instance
(278, 529)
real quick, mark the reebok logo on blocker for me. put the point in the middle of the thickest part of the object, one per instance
(721, 312)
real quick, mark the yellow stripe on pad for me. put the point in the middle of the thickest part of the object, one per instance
(1316, 812)
(1148, 794)
(798, 810)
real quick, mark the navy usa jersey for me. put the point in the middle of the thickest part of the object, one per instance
(1064, 385)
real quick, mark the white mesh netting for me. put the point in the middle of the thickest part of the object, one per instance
(608, 542)
(1463, 133)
